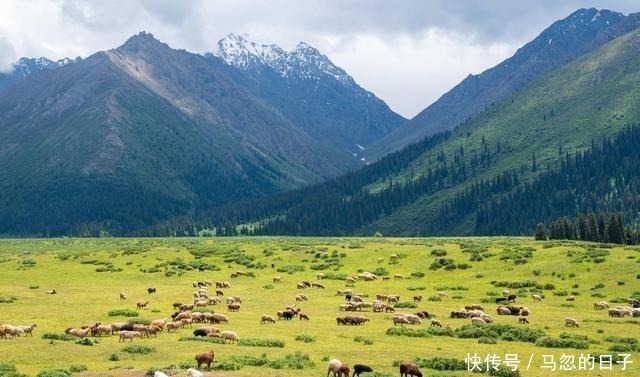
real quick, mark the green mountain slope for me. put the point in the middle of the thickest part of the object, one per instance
(582, 31)
(561, 112)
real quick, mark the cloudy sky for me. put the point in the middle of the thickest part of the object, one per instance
(408, 52)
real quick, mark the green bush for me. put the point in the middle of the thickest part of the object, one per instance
(259, 342)
(380, 271)
(291, 268)
(54, 373)
(364, 340)
(487, 340)
(417, 274)
(550, 342)
(407, 304)
(114, 357)
(87, 342)
(9, 370)
(305, 338)
(122, 313)
(441, 363)
(438, 252)
(201, 339)
(226, 365)
(78, 368)
(138, 349)
(292, 361)
(54, 336)
(247, 360)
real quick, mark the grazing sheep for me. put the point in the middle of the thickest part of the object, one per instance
(487, 318)
(571, 298)
(219, 292)
(361, 368)
(266, 318)
(600, 305)
(229, 335)
(14, 331)
(442, 294)
(512, 297)
(205, 358)
(502, 310)
(100, 330)
(344, 370)
(3, 332)
(571, 322)
(320, 275)
(80, 333)
(380, 260)
(301, 297)
(218, 318)
(398, 276)
(277, 279)
(151, 290)
(301, 286)
(523, 320)
(173, 325)
(28, 329)
(142, 304)
(536, 297)
(315, 284)
(52, 292)
(417, 298)
(350, 280)
(524, 312)
(400, 320)
(333, 366)
(123, 296)
(200, 332)
(635, 313)
(303, 316)
(124, 335)
(394, 257)
(409, 369)
(413, 319)
(477, 321)
(506, 293)
(423, 314)
(233, 307)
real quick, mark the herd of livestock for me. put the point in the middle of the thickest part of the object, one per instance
(186, 314)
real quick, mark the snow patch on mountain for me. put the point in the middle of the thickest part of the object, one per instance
(303, 62)
(27, 66)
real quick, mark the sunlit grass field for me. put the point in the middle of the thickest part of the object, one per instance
(89, 274)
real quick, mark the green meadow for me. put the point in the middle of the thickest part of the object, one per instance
(89, 274)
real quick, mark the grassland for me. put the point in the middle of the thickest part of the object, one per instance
(29, 268)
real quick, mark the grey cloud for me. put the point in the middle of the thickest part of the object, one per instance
(7, 53)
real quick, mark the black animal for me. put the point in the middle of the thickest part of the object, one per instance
(288, 314)
(347, 297)
(127, 327)
(199, 332)
(512, 298)
(360, 368)
(151, 290)
(306, 284)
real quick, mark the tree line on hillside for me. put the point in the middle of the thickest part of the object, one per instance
(604, 178)
(602, 228)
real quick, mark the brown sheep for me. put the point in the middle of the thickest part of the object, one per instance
(205, 358)
(266, 318)
(303, 316)
(344, 370)
(523, 320)
(409, 369)
(233, 307)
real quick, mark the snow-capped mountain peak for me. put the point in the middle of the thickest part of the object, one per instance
(303, 62)
(27, 66)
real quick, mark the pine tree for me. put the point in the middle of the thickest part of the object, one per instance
(541, 233)
(592, 229)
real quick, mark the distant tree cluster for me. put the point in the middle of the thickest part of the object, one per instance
(602, 228)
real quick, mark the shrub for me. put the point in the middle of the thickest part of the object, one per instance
(292, 361)
(201, 339)
(434, 298)
(8, 300)
(247, 360)
(291, 268)
(407, 304)
(381, 271)
(114, 357)
(364, 340)
(268, 286)
(621, 347)
(122, 313)
(138, 349)
(417, 274)
(438, 252)
(53, 336)
(226, 364)
(78, 368)
(9, 370)
(87, 342)
(487, 340)
(34, 286)
(441, 363)
(550, 342)
(305, 338)
(54, 373)
(259, 342)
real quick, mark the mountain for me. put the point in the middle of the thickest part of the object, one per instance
(312, 92)
(142, 133)
(444, 184)
(582, 31)
(26, 66)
